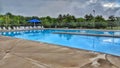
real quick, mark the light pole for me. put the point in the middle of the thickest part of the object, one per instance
(94, 16)
(93, 19)
(94, 13)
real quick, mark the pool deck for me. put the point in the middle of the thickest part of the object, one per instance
(19, 53)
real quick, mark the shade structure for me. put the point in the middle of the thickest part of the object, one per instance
(34, 21)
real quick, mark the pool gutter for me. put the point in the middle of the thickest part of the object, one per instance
(88, 34)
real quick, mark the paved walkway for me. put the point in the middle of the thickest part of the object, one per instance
(18, 53)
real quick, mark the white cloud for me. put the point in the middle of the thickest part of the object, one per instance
(54, 7)
(111, 5)
(93, 1)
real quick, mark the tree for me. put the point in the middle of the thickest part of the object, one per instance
(2, 20)
(99, 18)
(80, 20)
(9, 14)
(100, 25)
(7, 20)
(112, 18)
(65, 20)
(118, 21)
(60, 18)
(111, 21)
(89, 17)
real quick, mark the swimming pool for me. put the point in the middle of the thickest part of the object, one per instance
(107, 45)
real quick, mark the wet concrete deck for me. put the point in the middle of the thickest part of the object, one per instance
(18, 53)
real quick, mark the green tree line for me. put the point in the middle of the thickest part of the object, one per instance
(66, 20)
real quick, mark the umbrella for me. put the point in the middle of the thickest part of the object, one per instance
(34, 21)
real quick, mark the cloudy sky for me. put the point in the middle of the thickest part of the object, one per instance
(55, 7)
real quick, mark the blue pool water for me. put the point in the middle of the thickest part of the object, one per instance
(107, 45)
